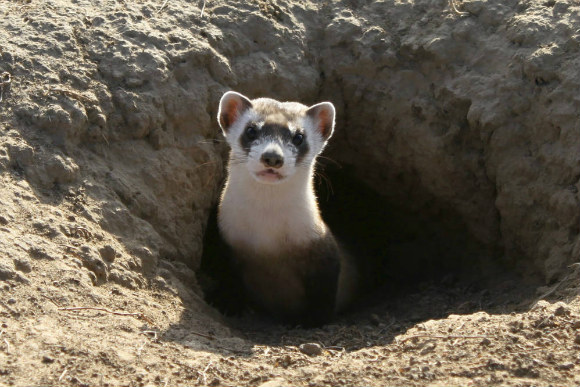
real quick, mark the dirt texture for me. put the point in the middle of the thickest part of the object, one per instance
(463, 123)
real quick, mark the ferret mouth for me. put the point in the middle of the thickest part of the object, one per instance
(269, 175)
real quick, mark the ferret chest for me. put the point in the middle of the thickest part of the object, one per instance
(267, 225)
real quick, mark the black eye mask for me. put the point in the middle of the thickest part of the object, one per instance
(276, 133)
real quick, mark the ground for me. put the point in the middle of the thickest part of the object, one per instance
(396, 343)
(60, 326)
(111, 161)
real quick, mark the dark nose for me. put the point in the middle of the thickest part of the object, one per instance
(272, 159)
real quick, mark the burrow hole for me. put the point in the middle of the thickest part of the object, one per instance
(417, 267)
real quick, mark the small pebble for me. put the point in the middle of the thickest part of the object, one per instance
(11, 301)
(485, 342)
(6, 272)
(577, 339)
(3, 221)
(108, 253)
(23, 265)
(562, 310)
(39, 253)
(310, 349)
(47, 359)
(566, 366)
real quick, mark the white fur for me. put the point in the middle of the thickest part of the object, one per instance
(264, 218)
(267, 218)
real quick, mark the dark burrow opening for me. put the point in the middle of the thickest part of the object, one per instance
(416, 267)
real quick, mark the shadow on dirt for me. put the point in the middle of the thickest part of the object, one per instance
(417, 269)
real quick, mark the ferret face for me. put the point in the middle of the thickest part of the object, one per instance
(272, 139)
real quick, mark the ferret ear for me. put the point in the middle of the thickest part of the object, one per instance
(232, 106)
(322, 115)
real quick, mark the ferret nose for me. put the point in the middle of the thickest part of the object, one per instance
(272, 159)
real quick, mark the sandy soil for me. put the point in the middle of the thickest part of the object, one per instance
(111, 160)
(60, 328)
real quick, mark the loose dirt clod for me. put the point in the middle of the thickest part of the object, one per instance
(310, 349)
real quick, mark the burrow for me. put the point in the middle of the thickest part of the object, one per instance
(444, 167)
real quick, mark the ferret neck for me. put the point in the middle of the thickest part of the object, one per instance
(294, 194)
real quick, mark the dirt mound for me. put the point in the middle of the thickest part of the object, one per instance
(458, 137)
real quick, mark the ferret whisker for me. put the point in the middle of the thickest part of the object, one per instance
(326, 180)
(329, 159)
(211, 141)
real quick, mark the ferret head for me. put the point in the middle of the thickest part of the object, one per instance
(274, 139)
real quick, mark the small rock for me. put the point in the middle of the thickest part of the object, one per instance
(310, 349)
(577, 339)
(97, 21)
(3, 221)
(11, 301)
(22, 279)
(494, 364)
(92, 261)
(149, 259)
(108, 253)
(47, 359)
(23, 265)
(562, 310)
(6, 273)
(566, 366)
(116, 291)
(576, 324)
(39, 253)
(485, 342)
(276, 382)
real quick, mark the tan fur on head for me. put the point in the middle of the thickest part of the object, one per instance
(233, 105)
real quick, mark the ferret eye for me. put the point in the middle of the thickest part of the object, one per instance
(298, 139)
(251, 133)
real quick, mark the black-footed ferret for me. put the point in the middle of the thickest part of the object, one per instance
(290, 264)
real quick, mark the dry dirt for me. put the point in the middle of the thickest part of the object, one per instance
(458, 134)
